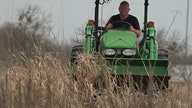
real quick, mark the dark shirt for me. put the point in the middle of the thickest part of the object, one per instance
(130, 19)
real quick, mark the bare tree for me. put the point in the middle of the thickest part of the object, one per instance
(180, 67)
(30, 36)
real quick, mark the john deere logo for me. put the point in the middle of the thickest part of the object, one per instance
(118, 52)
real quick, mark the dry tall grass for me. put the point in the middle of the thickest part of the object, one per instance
(46, 82)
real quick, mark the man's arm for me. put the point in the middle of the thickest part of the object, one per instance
(135, 27)
(137, 32)
(109, 25)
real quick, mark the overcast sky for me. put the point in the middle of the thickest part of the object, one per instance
(69, 15)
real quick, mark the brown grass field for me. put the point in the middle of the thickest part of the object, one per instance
(47, 82)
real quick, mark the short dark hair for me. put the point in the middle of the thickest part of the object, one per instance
(124, 2)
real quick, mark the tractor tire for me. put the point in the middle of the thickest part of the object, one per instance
(163, 54)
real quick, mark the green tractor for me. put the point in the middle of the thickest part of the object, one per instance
(143, 62)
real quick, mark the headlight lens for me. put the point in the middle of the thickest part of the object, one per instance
(109, 52)
(76, 52)
(129, 52)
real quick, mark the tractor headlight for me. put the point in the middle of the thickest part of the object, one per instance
(77, 50)
(109, 52)
(129, 52)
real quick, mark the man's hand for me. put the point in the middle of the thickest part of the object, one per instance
(137, 32)
(131, 28)
(109, 26)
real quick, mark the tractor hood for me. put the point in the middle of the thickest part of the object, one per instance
(118, 38)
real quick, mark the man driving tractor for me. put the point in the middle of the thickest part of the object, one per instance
(119, 20)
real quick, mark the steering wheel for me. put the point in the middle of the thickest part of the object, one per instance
(121, 25)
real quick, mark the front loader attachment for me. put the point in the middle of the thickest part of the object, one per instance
(138, 66)
(142, 72)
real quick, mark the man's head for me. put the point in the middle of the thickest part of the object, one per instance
(124, 8)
